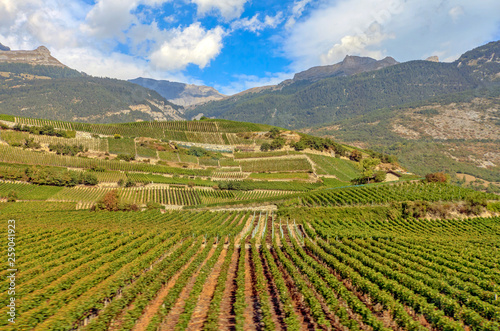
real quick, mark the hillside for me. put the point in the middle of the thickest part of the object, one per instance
(457, 133)
(433, 116)
(303, 103)
(179, 93)
(310, 100)
(351, 65)
(193, 225)
(60, 93)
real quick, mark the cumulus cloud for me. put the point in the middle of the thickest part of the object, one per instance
(108, 18)
(84, 37)
(254, 24)
(403, 29)
(193, 45)
(357, 44)
(229, 9)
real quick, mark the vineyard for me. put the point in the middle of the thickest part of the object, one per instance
(190, 227)
(253, 271)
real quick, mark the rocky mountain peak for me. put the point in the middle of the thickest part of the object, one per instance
(4, 48)
(39, 56)
(351, 65)
(179, 93)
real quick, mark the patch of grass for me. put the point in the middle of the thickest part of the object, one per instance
(280, 175)
(8, 118)
(146, 152)
(169, 156)
(345, 170)
(121, 146)
(14, 138)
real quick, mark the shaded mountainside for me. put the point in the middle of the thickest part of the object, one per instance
(456, 133)
(302, 103)
(65, 94)
(180, 93)
(307, 101)
(351, 65)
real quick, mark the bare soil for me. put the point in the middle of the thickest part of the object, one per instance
(155, 304)
(172, 318)
(227, 316)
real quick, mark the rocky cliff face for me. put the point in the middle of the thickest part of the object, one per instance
(179, 93)
(351, 65)
(39, 56)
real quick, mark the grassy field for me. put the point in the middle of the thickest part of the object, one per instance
(280, 175)
(344, 170)
(121, 146)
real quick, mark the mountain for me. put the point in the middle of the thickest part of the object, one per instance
(309, 99)
(39, 56)
(433, 116)
(34, 84)
(484, 61)
(4, 48)
(351, 65)
(304, 103)
(179, 93)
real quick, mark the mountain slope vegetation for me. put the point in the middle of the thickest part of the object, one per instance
(65, 94)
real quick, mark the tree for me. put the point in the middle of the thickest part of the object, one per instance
(12, 197)
(274, 133)
(299, 145)
(356, 155)
(197, 151)
(265, 147)
(277, 143)
(129, 183)
(436, 177)
(108, 202)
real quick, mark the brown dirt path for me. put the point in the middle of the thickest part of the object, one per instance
(201, 311)
(172, 318)
(226, 317)
(155, 304)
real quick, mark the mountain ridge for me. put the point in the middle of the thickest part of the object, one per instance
(351, 65)
(180, 93)
(39, 56)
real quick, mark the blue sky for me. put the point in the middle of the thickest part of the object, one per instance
(234, 45)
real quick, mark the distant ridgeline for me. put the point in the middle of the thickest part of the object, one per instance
(309, 102)
(61, 93)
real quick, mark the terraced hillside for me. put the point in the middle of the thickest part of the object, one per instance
(235, 226)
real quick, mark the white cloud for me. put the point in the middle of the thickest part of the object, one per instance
(115, 65)
(297, 10)
(456, 12)
(404, 29)
(357, 44)
(108, 18)
(190, 45)
(229, 9)
(84, 36)
(253, 24)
